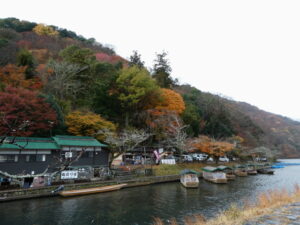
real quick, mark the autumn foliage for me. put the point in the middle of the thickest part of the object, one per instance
(19, 106)
(14, 76)
(169, 101)
(87, 124)
(211, 147)
(42, 29)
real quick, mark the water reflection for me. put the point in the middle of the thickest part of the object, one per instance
(138, 206)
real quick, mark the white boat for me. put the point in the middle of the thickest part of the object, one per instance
(214, 175)
(189, 178)
(228, 171)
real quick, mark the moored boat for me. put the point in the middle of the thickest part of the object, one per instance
(228, 171)
(214, 175)
(251, 170)
(265, 171)
(240, 171)
(189, 178)
(87, 191)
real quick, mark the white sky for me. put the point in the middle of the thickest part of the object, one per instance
(248, 50)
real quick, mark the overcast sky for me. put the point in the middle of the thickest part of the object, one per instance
(246, 50)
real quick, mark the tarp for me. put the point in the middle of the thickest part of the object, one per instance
(224, 167)
(188, 171)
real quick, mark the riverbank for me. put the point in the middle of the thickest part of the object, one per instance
(161, 174)
(19, 194)
(273, 207)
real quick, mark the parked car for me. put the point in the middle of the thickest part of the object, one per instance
(223, 159)
(187, 158)
(199, 157)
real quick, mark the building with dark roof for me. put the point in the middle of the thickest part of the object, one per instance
(32, 155)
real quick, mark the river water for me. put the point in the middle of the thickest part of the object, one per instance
(137, 206)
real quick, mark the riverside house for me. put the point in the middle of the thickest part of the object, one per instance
(33, 155)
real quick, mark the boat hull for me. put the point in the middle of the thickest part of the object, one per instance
(217, 178)
(230, 176)
(241, 173)
(190, 184)
(91, 190)
(252, 172)
(189, 180)
(265, 171)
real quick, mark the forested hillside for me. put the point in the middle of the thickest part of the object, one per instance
(53, 81)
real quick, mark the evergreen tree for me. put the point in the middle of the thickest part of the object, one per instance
(25, 58)
(135, 60)
(162, 71)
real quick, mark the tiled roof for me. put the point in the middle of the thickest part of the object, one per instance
(83, 141)
(29, 143)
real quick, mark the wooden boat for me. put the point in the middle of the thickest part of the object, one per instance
(240, 171)
(189, 178)
(251, 170)
(214, 175)
(265, 171)
(87, 191)
(228, 171)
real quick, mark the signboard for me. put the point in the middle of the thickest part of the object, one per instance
(69, 174)
(68, 154)
(168, 161)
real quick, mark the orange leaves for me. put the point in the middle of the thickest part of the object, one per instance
(171, 101)
(211, 147)
(165, 101)
(11, 75)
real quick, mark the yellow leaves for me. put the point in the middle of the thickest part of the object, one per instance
(42, 29)
(87, 124)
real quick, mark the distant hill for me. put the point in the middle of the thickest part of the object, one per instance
(224, 117)
(280, 132)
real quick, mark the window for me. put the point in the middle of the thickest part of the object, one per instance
(40, 158)
(90, 154)
(31, 158)
(8, 158)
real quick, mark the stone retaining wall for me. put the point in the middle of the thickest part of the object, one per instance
(17, 194)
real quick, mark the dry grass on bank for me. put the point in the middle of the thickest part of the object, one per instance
(163, 169)
(266, 203)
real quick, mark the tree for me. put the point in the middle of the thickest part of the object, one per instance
(16, 24)
(135, 60)
(61, 81)
(162, 71)
(191, 116)
(212, 147)
(170, 101)
(176, 135)
(87, 124)
(77, 55)
(122, 142)
(133, 85)
(20, 106)
(25, 58)
(11, 75)
(42, 29)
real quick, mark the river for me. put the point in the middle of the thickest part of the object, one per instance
(138, 206)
